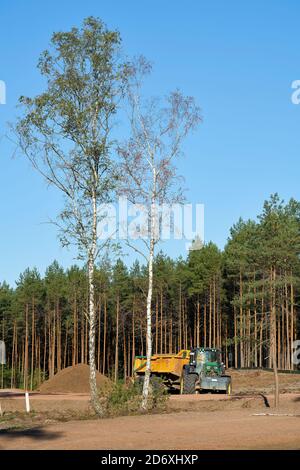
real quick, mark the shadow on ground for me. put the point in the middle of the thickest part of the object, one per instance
(12, 394)
(266, 401)
(33, 433)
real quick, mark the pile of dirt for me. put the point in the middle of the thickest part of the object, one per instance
(73, 380)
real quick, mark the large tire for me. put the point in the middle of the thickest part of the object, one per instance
(139, 381)
(155, 382)
(189, 382)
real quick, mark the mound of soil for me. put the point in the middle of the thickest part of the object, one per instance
(73, 380)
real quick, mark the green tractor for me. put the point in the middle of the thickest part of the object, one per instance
(205, 372)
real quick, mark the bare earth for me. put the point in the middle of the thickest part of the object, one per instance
(222, 430)
(208, 421)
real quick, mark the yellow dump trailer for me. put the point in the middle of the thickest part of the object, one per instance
(166, 366)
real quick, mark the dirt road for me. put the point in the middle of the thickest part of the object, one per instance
(184, 430)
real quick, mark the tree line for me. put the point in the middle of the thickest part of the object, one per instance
(243, 299)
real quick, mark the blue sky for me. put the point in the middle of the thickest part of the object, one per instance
(237, 58)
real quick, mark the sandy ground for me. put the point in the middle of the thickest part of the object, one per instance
(192, 422)
(237, 429)
(205, 421)
(14, 401)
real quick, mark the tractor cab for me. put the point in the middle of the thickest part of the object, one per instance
(207, 361)
(205, 371)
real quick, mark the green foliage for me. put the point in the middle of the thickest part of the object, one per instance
(123, 399)
(203, 266)
(255, 247)
(65, 131)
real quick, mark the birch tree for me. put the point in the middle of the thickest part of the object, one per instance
(66, 132)
(148, 174)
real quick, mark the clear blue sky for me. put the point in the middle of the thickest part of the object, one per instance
(238, 58)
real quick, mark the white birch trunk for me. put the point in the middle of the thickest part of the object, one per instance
(146, 387)
(92, 316)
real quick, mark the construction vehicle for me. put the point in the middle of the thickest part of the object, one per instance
(190, 371)
(205, 372)
(167, 367)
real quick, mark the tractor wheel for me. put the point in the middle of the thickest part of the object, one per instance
(155, 382)
(189, 382)
(139, 381)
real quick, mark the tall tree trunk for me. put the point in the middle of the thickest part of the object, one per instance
(146, 386)
(156, 326)
(117, 339)
(198, 323)
(171, 336)
(65, 348)
(104, 335)
(32, 344)
(179, 319)
(74, 359)
(26, 349)
(58, 358)
(288, 353)
(99, 335)
(133, 338)
(82, 338)
(214, 312)
(92, 315)
(255, 326)
(12, 377)
(124, 354)
(210, 317)
(235, 338)
(241, 324)
(205, 322)
(273, 336)
(161, 321)
(165, 324)
(292, 338)
(53, 343)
